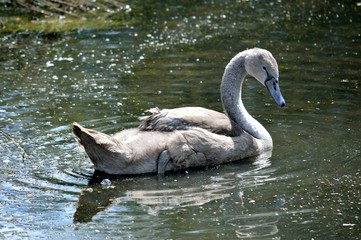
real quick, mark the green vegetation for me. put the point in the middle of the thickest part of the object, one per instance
(61, 15)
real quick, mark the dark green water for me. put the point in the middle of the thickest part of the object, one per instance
(174, 55)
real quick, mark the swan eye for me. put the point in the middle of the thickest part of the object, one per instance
(264, 68)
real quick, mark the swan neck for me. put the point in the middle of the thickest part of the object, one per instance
(231, 94)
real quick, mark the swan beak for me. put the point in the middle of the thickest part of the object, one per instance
(275, 91)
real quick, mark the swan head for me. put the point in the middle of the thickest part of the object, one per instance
(260, 64)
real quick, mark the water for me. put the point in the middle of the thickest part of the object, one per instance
(174, 55)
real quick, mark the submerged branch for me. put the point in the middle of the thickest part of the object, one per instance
(25, 153)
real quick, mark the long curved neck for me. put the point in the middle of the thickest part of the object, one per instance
(231, 94)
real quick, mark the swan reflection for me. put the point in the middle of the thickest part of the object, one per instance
(156, 201)
(156, 196)
(221, 189)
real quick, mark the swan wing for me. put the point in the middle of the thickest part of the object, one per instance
(188, 117)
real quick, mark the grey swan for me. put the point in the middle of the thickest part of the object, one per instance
(181, 138)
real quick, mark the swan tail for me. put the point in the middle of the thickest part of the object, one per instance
(90, 138)
(78, 132)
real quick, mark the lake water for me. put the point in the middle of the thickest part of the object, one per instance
(172, 55)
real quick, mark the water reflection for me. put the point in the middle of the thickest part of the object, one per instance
(156, 196)
(255, 225)
(153, 200)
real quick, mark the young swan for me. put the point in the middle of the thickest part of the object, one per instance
(180, 138)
